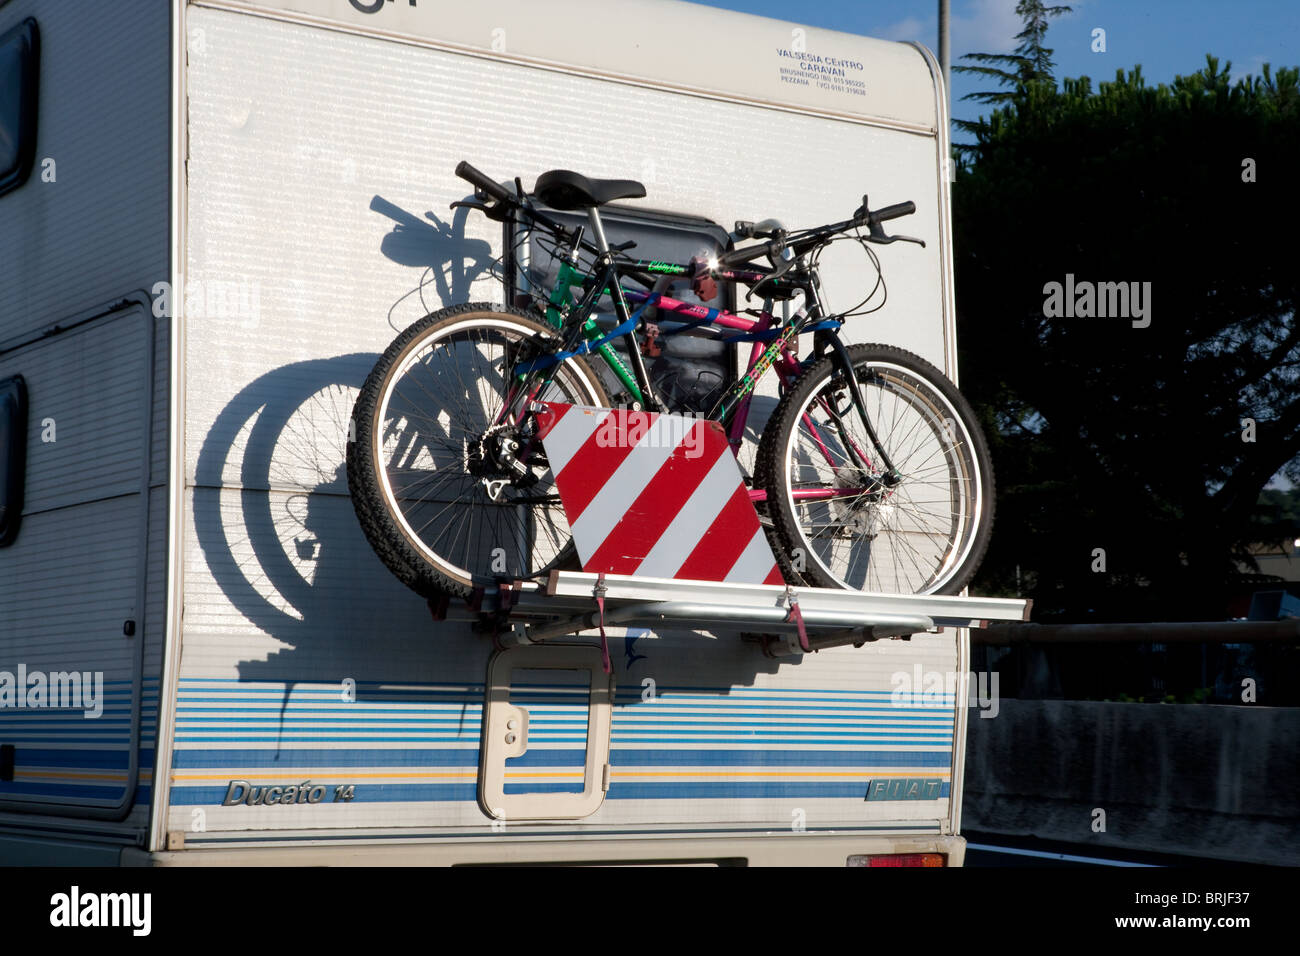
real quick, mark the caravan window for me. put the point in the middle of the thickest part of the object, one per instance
(13, 453)
(689, 371)
(19, 55)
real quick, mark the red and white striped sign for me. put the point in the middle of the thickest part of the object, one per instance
(655, 495)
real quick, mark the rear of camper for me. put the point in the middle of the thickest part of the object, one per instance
(251, 202)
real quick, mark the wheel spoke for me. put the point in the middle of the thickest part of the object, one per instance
(438, 410)
(909, 536)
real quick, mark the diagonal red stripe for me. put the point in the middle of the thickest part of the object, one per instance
(724, 542)
(595, 462)
(774, 576)
(659, 503)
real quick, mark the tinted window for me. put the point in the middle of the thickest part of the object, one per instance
(690, 371)
(19, 55)
(13, 455)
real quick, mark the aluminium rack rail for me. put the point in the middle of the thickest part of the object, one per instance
(789, 620)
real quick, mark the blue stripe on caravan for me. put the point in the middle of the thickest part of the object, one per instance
(854, 734)
(114, 725)
(257, 759)
(276, 692)
(770, 725)
(296, 719)
(95, 792)
(275, 709)
(803, 725)
(426, 793)
(287, 759)
(740, 790)
(32, 740)
(87, 759)
(780, 758)
(272, 736)
(711, 737)
(558, 727)
(623, 737)
(512, 789)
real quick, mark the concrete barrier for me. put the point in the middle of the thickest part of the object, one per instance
(1209, 781)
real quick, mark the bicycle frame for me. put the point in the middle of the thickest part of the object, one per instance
(770, 349)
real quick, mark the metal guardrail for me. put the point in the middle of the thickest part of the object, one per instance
(1164, 632)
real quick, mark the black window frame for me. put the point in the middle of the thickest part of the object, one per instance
(13, 456)
(26, 36)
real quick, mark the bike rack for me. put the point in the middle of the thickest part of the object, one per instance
(788, 620)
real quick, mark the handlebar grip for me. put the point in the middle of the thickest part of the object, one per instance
(739, 256)
(480, 181)
(892, 212)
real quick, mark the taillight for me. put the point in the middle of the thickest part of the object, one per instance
(898, 859)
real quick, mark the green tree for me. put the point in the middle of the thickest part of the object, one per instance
(1136, 441)
(1030, 64)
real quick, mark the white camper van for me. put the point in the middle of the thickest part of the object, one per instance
(215, 216)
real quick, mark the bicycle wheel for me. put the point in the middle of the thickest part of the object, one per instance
(450, 494)
(839, 521)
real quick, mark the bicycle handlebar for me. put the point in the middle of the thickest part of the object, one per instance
(805, 241)
(892, 212)
(484, 185)
(739, 256)
(481, 182)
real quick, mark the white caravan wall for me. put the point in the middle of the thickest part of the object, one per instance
(320, 173)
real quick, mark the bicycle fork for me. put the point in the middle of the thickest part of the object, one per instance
(889, 476)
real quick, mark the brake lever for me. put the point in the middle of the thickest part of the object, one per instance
(787, 260)
(877, 235)
(497, 211)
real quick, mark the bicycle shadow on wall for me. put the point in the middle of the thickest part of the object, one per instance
(274, 521)
(451, 262)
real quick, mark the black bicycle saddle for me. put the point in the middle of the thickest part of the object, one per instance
(565, 189)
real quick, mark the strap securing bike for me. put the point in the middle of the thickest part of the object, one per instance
(507, 595)
(599, 593)
(796, 616)
(546, 361)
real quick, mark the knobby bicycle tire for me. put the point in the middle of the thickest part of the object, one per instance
(417, 466)
(836, 524)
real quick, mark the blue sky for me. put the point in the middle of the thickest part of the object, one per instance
(1167, 37)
